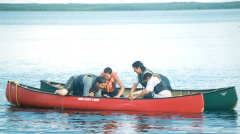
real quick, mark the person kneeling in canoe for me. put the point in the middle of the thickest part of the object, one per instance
(83, 85)
(112, 80)
(158, 86)
(140, 69)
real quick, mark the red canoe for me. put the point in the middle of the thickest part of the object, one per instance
(25, 96)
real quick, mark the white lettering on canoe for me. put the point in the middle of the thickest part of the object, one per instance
(223, 94)
(12, 87)
(88, 99)
(80, 98)
(95, 99)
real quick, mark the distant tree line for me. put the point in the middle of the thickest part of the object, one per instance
(119, 7)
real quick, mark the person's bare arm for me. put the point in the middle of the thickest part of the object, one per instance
(134, 86)
(122, 88)
(144, 92)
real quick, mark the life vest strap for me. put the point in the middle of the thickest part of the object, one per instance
(88, 75)
(157, 75)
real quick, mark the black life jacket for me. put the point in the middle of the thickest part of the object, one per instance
(163, 85)
(79, 86)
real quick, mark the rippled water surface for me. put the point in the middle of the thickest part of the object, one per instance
(194, 49)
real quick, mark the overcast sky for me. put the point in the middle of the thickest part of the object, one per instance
(107, 1)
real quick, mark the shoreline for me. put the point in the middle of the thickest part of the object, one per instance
(120, 6)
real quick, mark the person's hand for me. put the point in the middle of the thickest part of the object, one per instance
(131, 98)
(91, 94)
(56, 92)
(106, 96)
(116, 97)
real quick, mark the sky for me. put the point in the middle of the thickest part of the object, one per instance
(108, 1)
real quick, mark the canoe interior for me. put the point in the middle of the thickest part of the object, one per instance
(53, 86)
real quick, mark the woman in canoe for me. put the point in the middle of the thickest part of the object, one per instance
(83, 85)
(140, 69)
(112, 80)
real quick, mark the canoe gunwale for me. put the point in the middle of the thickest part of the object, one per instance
(220, 89)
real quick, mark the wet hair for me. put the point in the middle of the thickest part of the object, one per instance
(100, 80)
(108, 70)
(137, 64)
(146, 75)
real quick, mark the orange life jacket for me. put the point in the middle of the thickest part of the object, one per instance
(111, 83)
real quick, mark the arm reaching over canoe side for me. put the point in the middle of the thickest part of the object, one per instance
(143, 93)
(132, 90)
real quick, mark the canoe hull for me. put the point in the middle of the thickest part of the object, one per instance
(214, 99)
(225, 98)
(32, 97)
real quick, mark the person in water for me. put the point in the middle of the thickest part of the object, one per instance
(112, 80)
(83, 85)
(140, 69)
(158, 86)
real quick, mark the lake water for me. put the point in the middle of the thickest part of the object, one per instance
(195, 49)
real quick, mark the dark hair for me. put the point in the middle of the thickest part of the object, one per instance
(137, 64)
(100, 80)
(148, 74)
(108, 70)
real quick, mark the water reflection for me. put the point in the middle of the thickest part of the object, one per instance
(103, 121)
(226, 115)
(51, 120)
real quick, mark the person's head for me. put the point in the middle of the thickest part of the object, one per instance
(147, 76)
(107, 73)
(100, 82)
(138, 67)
